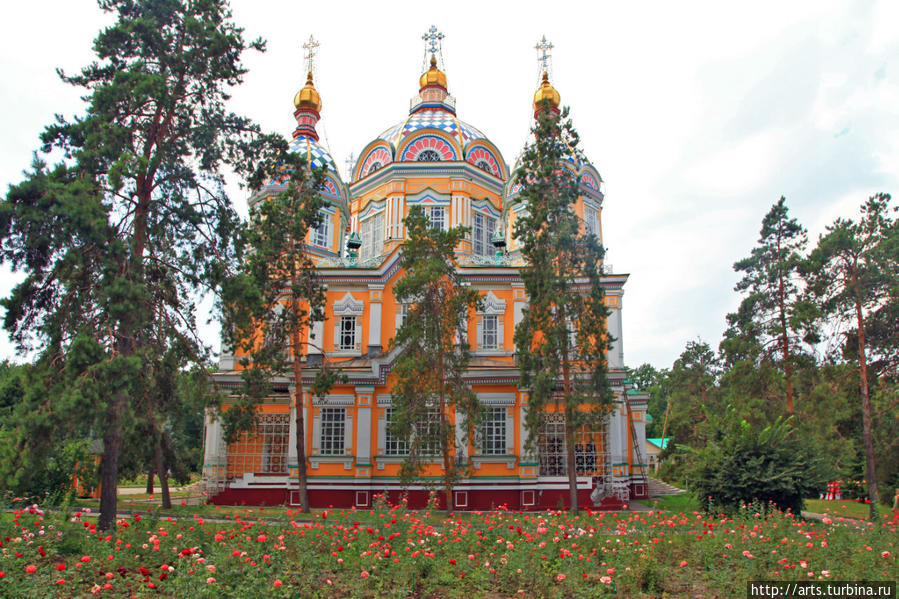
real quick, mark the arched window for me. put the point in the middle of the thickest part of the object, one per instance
(428, 156)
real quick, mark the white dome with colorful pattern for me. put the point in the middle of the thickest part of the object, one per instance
(431, 133)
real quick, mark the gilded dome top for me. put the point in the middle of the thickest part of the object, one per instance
(308, 96)
(433, 76)
(546, 93)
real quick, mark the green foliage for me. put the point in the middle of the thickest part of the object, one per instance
(742, 464)
(562, 338)
(853, 276)
(134, 223)
(275, 296)
(434, 350)
(772, 320)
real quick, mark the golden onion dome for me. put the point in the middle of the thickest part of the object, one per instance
(308, 97)
(546, 93)
(433, 76)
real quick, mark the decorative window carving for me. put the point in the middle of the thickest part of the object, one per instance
(348, 324)
(262, 449)
(589, 458)
(491, 324)
(428, 156)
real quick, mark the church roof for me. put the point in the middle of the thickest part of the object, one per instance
(432, 119)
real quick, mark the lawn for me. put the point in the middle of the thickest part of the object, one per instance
(393, 552)
(844, 508)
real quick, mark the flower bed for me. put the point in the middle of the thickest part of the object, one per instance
(393, 552)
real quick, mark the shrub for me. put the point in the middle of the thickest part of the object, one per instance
(741, 465)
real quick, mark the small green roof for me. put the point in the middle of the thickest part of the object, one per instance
(660, 442)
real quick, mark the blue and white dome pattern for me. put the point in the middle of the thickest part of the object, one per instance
(313, 152)
(432, 119)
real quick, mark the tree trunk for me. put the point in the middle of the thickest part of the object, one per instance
(163, 473)
(569, 428)
(150, 474)
(299, 401)
(870, 469)
(109, 466)
(447, 463)
(785, 342)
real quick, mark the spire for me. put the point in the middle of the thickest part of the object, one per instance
(307, 102)
(433, 77)
(432, 92)
(546, 92)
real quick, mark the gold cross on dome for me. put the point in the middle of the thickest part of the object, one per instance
(544, 59)
(432, 38)
(309, 56)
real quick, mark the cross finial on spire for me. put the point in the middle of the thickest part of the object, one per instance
(309, 56)
(350, 163)
(432, 38)
(544, 59)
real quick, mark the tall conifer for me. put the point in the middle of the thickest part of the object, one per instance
(562, 340)
(430, 396)
(135, 219)
(854, 274)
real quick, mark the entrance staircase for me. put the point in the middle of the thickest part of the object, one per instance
(658, 488)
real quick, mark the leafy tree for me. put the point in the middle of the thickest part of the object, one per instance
(561, 340)
(742, 464)
(122, 233)
(429, 384)
(271, 302)
(693, 381)
(657, 384)
(772, 319)
(853, 274)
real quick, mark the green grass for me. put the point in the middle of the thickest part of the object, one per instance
(844, 508)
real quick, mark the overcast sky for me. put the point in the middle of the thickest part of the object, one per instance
(698, 115)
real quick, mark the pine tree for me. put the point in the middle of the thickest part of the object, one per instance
(562, 340)
(772, 319)
(430, 396)
(853, 274)
(123, 232)
(272, 301)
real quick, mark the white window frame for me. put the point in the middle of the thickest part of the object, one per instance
(489, 332)
(339, 450)
(493, 431)
(348, 313)
(332, 436)
(442, 223)
(482, 228)
(371, 230)
(321, 235)
(492, 309)
(393, 447)
(591, 221)
(501, 406)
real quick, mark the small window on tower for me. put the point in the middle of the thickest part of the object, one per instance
(428, 156)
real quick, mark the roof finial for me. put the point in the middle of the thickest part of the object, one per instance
(544, 59)
(432, 38)
(310, 48)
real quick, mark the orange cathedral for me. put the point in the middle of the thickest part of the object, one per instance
(433, 159)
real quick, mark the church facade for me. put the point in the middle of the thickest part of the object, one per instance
(433, 159)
